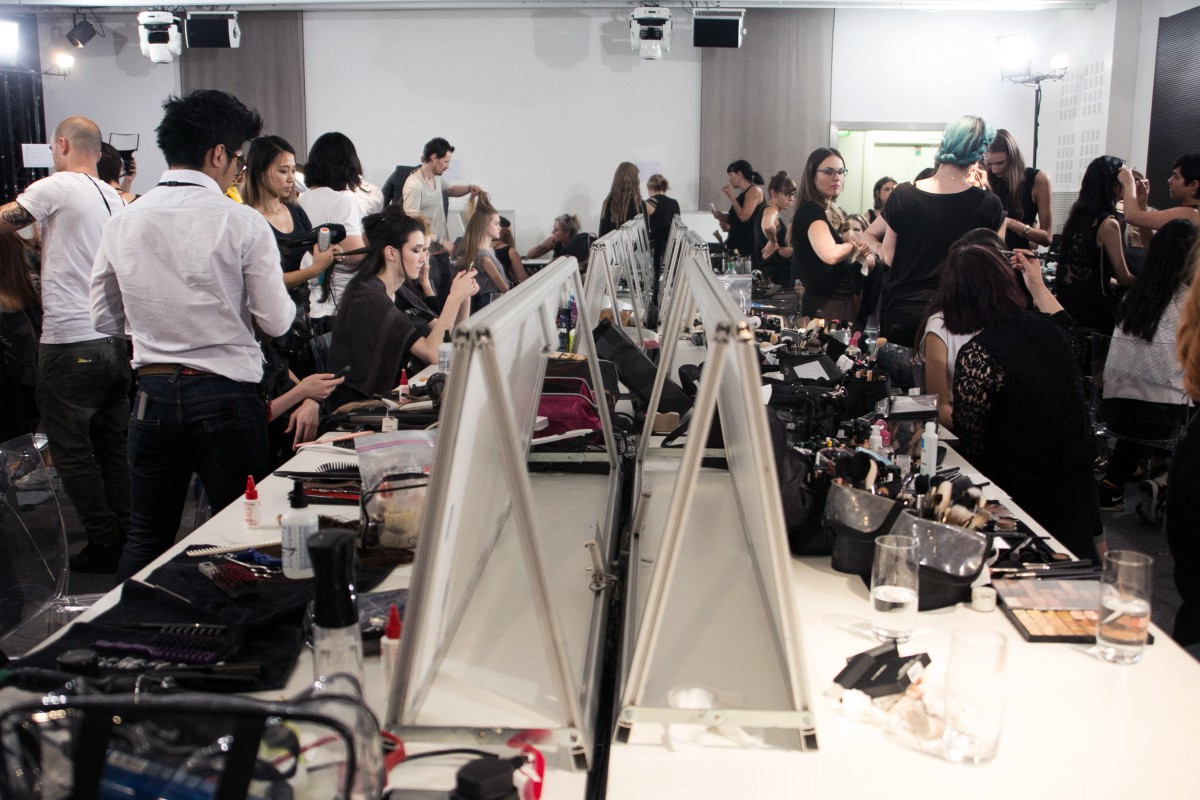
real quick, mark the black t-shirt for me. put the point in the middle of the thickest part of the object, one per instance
(579, 246)
(659, 224)
(926, 225)
(821, 281)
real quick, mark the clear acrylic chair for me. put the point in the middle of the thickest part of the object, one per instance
(1136, 392)
(34, 561)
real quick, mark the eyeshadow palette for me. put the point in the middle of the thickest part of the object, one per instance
(1052, 610)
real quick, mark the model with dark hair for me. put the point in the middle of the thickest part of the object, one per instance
(384, 321)
(1093, 254)
(821, 261)
(332, 173)
(879, 196)
(1143, 383)
(624, 199)
(772, 253)
(938, 346)
(744, 193)
(1019, 410)
(922, 219)
(1025, 193)
(190, 275)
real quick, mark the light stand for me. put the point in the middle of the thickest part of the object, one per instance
(1055, 74)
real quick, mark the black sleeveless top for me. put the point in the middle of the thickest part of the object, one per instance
(659, 224)
(741, 234)
(1029, 210)
(290, 256)
(777, 267)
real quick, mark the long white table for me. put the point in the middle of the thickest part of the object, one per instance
(1074, 726)
(228, 528)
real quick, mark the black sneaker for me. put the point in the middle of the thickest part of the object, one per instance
(1111, 498)
(96, 559)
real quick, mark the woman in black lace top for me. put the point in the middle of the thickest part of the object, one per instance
(1019, 409)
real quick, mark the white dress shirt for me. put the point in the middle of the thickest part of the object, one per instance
(185, 271)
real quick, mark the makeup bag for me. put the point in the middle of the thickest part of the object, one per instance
(950, 558)
(854, 519)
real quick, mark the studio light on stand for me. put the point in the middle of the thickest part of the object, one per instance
(1016, 66)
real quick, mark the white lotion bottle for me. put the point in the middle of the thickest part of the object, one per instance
(298, 523)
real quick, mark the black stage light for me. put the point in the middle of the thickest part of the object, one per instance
(81, 34)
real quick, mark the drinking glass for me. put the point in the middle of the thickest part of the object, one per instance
(1124, 615)
(894, 588)
(974, 695)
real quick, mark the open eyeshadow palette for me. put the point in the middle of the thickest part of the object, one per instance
(1052, 610)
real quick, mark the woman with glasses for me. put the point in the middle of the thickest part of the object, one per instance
(821, 260)
(1024, 192)
(772, 255)
(920, 222)
(1093, 253)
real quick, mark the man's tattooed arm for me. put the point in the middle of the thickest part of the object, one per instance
(13, 216)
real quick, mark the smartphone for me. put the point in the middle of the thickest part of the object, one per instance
(343, 372)
(323, 239)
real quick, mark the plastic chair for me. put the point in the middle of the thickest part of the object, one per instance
(34, 561)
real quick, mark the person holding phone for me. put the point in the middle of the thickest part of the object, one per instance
(383, 322)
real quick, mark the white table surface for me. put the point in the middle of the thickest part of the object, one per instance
(228, 528)
(1074, 726)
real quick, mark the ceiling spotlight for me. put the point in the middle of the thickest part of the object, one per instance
(82, 33)
(650, 31)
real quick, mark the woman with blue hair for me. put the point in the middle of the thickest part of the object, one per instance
(921, 220)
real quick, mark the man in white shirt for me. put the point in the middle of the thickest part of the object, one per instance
(83, 375)
(189, 274)
(425, 193)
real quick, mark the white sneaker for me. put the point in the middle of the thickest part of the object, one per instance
(1152, 499)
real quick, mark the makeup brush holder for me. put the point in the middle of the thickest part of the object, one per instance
(950, 559)
(855, 519)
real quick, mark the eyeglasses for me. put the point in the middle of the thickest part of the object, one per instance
(241, 163)
(790, 193)
(829, 172)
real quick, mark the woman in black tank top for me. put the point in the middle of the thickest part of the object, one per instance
(1024, 193)
(738, 220)
(771, 254)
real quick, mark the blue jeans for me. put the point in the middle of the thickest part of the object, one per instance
(83, 394)
(183, 423)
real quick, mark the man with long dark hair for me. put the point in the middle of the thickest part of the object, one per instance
(189, 274)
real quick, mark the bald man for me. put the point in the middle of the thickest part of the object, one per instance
(83, 375)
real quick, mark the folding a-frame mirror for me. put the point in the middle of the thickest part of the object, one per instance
(612, 260)
(506, 609)
(710, 602)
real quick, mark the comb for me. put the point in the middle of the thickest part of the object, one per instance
(235, 580)
(207, 550)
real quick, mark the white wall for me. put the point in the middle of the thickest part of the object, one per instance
(911, 67)
(112, 84)
(540, 106)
